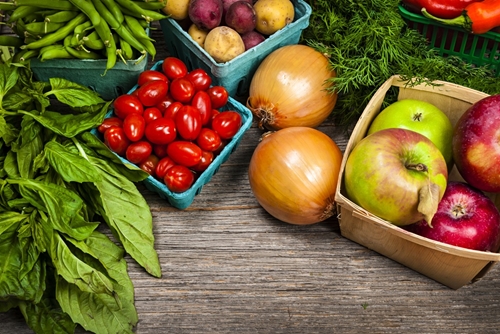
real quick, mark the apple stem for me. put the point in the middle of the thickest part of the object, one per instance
(417, 117)
(420, 167)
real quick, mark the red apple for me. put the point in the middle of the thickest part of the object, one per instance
(465, 217)
(396, 174)
(476, 144)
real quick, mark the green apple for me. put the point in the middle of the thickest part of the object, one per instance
(396, 174)
(419, 116)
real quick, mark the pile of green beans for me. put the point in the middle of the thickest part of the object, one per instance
(82, 29)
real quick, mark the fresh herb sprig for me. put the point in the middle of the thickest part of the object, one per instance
(367, 41)
(58, 184)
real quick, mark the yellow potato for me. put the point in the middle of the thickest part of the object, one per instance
(224, 44)
(177, 9)
(198, 35)
(273, 15)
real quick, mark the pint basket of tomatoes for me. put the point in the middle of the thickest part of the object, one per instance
(177, 126)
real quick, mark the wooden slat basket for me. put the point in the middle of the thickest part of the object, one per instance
(449, 265)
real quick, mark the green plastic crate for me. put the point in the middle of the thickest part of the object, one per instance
(236, 74)
(480, 50)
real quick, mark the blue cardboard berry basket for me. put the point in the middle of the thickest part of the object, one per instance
(236, 74)
(185, 199)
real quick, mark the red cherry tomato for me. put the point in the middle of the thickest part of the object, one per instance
(160, 150)
(165, 102)
(208, 140)
(201, 101)
(116, 140)
(174, 68)
(200, 78)
(227, 124)
(219, 96)
(188, 122)
(182, 90)
(127, 104)
(214, 113)
(163, 165)
(179, 179)
(149, 75)
(138, 151)
(161, 131)
(134, 126)
(109, 122)
(184, 152)
(172, 110)
(149, 164)
(152, 92)
(205, 161)
(152, 113)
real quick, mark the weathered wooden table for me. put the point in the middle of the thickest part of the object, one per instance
(229, 267)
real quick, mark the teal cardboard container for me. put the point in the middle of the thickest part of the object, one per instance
(90, 73)
(236, 74)
(184, 199)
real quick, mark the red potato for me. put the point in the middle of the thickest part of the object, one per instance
(205, 14)
(241, 17)
(252, 38)
(227, 3)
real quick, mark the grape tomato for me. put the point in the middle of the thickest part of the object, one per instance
(116, 140)
(161, 131)
(219, 96)
(152, 92)
(149, 75)
(134, 126)
(182, 90)
(109, 122)
(179, 178)
(174, 68)
(184, 153)
(127, 104)
(138, 151)
(163, 165)
(200, 78)
(188, 122)
(201, 101)
(227, 124)
(208, 140)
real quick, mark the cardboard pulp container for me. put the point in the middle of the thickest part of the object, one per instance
(446, 264)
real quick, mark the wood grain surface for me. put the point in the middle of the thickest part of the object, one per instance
(229, 267)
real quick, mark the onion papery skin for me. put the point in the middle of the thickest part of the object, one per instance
(289, 88)
(293, 174)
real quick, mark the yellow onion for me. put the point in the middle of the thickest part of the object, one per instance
(289, 88)
(293, 174)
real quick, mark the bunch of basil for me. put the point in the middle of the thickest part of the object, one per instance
(58, 185)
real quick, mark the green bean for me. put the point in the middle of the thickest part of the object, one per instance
(120, 29)
(129, 6)
(61, 16)
(21, 12)
(92, 41)
(8, 6)
(56, 51)
(24, 55)
(88, 8)
(81, 54)
(107, 37)
(14, 41)
(151, 5)
(42, 28)
(136, 29)
(114, 9)
(19, 28)
(57, 35)
(52, 4)
(127, 51)
(81, 28)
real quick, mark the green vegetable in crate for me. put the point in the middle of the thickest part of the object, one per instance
(445, 9)
(58, 184)
(477, 18)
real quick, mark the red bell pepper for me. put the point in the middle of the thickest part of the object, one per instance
(477, 18)
(444, 9)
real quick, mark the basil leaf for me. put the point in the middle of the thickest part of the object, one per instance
(69, 125)
(127, 214)
(28, 146)
(45, 317)
(31, 285)
(76, 271)
(7, 131)
(71, 167)
(111, 314)
(17, 101)
(8, 79)
(73, 94)
(61, 204)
